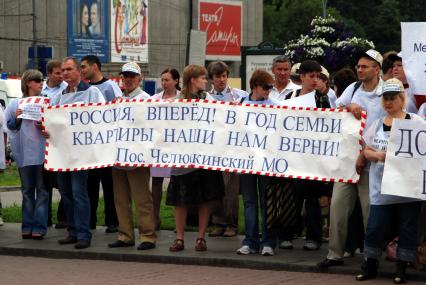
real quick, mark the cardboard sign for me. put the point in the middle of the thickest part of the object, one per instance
(405, 166)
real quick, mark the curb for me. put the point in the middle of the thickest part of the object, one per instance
(10, 188)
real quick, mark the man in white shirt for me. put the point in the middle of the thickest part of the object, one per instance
(225, 216)
(53, 88)
(90, 67)
(357, 97)
(221, 91)
(281, 68)
(55, 83)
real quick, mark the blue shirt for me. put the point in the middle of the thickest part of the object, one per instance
(25, 138)
(53, 92)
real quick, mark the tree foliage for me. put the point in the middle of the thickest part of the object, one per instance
(376, 20)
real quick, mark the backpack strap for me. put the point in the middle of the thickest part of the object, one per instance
(356, 87)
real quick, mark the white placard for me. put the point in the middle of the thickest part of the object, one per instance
(413, 43)
(405, 166)
(266, 140)
(31, 107)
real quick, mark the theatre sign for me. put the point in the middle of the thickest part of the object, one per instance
(222, 22)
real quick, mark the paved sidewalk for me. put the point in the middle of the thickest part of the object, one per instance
(221, 252)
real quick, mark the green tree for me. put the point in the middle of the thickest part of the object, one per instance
(386, 33)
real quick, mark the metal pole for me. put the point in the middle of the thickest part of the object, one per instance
(35, 59)
(324, 8)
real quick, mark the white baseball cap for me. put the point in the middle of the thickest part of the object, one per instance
(131, 67)
(373, 54)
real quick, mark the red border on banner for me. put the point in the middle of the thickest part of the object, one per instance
(192, 166)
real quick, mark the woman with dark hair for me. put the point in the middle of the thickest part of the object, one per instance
(84, 20)
(342, 79)
(28, 150)
(193, 187)
(171, 89)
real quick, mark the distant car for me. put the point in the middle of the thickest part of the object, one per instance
(9, 89)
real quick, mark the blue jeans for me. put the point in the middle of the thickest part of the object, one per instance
(250, 186)
(73, 189)
(408, 218)
(35, 200)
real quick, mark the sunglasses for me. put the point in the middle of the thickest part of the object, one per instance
(38, 80)
(267, 87)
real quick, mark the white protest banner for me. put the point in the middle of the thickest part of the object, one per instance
(413, 43)
(309, 143)
(31, 107)
(405, 166)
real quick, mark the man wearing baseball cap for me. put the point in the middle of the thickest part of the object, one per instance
(132, 183)
(363, 95)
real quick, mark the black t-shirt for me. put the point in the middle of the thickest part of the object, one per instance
(388, 128)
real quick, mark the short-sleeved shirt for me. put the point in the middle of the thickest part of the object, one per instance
(377, 137)
(277, 95)
(53, 92)
(108, 88)
(422, 111)
(159, 95)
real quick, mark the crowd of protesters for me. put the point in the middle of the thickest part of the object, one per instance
(378, 87)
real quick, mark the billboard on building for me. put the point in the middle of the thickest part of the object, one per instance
(88, 31)
(222, 22)
(129, 30)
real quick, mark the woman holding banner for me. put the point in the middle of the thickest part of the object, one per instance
(190, 187)
(253, 187)
(28, 150)
(170, 83)
(383, 206)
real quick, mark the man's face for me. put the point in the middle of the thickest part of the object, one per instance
(87, 70)
(130, 81)
(310, 80)
(56, 77)
(367, 69)
(281, 71)
(220, 81)
(94, 14)
(70, 72)
(398, 71)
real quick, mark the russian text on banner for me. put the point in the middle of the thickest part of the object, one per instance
(405, 166)
(308, 143)
(31, 107)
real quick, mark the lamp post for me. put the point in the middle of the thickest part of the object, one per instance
(324, 8)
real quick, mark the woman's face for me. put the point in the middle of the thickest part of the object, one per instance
(393, 104)
(34, 87)
(85, 16)
(167, 81)
(199, 83)
(262, 91)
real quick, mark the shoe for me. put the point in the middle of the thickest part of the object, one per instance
(286, 244)
(323, 265)
(348, 254)
(82, 243)
(61, 225)
(230, 232)
(1, 221)
(26, 235)
(245, 250)
(37, 236)
(400, 268)
(200, 244)
(119, 243)
(178, 245)
(369, 271)
(145, 245)
(267, 251)
(68, 240)
(311, 245)
(217, 232)
(111, 229)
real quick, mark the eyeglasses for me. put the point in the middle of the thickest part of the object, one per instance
(267, 87)
(362, 66)
(129, 75)
(38, 80)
